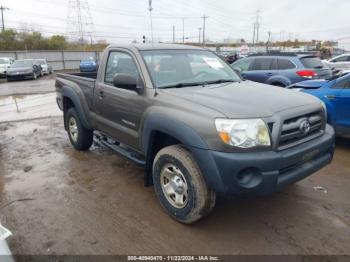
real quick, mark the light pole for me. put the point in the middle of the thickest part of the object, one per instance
(150, 15)
(199, 35)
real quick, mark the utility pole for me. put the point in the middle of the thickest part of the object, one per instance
(268, 41)
(199, 35)
(173, 34)
(204, 17)
(2, 8)
(253, 41)
(256, 27)
(183, 30)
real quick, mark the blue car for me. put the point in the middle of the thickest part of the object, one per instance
(282, 69)
(335, 93)
(88, 65)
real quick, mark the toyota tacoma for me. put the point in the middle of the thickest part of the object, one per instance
(192, 122)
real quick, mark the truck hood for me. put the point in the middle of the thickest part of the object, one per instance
(243, 100)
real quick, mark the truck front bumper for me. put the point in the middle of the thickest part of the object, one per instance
(262, 173)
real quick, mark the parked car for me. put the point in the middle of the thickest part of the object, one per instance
(88, 65)
(5, 63)
(23, 69)
(341, 62)
(283, 69)
(335, 93)
(196, 127)
(45, 67)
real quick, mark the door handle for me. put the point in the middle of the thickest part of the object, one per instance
(269, 74)
(330, 97)
(101, 93)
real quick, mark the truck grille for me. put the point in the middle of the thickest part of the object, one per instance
(300, 129)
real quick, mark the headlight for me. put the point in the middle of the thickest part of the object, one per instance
(243, 133)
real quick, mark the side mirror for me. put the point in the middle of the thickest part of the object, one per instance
(125, 81)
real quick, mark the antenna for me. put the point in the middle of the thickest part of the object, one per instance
(80, 26)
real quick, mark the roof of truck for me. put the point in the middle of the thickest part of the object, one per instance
(156, 46)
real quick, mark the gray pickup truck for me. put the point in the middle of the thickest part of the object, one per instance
(196, 126)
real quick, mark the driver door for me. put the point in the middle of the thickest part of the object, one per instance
(119, 111)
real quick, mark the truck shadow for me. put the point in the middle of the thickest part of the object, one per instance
(342, 143)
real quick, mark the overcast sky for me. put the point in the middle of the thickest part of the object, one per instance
(126, 20)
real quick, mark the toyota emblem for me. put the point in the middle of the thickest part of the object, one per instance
(305, 127)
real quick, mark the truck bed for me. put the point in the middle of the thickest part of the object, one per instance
(84, 81)
(90, 75)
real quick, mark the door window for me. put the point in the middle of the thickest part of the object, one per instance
(345, 84)
(341, 59)
(120, 63)
(242, 64)
(284, 64)
(262, 64)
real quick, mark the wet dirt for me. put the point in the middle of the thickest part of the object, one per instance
(94, 202)
(42, 85)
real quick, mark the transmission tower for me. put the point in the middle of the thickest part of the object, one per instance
(80, 26)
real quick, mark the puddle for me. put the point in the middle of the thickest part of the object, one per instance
(24, 107)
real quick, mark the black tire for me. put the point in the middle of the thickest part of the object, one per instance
(84, 137)
(200, 199)
(278, 84)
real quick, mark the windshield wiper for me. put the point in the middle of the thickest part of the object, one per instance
(179, 85)
(220, 81)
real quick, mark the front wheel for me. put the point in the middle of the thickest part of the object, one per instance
(80, 137)
(180, 186)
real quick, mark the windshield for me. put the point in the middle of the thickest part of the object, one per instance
(22, 63)
(179, 68)
(311, 62)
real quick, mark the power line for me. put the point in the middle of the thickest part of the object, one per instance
(110, 35)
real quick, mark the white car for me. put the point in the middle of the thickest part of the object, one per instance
(5, 62)
(341, 62)
(46, 68)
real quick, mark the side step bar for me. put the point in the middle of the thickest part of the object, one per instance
(119, 148)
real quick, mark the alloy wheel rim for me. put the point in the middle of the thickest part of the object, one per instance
(73, 129)
(174, 186)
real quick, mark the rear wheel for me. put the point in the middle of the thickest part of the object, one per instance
(80, 137)
(180, 186)
(278, 84)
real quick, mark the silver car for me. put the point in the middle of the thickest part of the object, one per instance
(46, 68)
(5, 63)
(341, 62)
